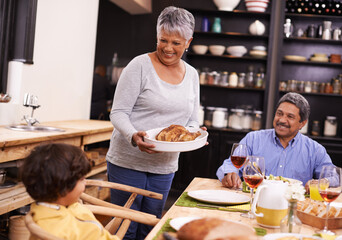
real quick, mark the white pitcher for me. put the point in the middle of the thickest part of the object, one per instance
(269, 204)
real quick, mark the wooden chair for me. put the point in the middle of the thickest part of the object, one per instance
(122, 215)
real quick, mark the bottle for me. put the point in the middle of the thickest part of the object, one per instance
(220, 118)
(250, 76)
(115, 72)
(288, 28)
(241, 80)
(315, 129)
(216, 25)
(205, 25)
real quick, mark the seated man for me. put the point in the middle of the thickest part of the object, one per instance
(287, 152)
(54, 176)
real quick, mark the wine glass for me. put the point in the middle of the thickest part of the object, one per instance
(238, 155)
(253, 174)
(329, 187)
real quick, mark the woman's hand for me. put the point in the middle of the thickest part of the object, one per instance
(138, 138)
(205, 129)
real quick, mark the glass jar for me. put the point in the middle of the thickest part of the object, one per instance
(330, 126)
(201, 115)
(322, 87)
(202, 78)
(308, 87)
(241, 80)
(315, 87)
(257, 120)
(315, 129)
(210, 78)
(233, 79)
(336, 86)
(235, 118)
(328, 88)
(291, 85)
(220, 118)
(246, 122)
(282, 86)
(259, 81)
(224, 79)
(300, 86)
(217, 78)
(209, 116)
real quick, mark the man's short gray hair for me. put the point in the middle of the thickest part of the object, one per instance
(176, 20)
(299, 101)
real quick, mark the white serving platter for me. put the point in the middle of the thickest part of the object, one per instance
(219, 196)
(163, 146)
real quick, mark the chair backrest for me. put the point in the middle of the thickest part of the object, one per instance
(37, 231)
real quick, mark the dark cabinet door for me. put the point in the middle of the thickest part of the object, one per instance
(198, 163)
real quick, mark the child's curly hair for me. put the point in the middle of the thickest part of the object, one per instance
(52, 170)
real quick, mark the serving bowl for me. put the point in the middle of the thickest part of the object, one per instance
(256, 5)
(237, 51)
(226, 5)
(217, 49)
(258, 53)
(259, 47)
(200, 49)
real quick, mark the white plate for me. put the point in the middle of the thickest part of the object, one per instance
(219, 196)
(177, 223)
(275, 236)
(291, 180)
(339, 238)
(163, 146)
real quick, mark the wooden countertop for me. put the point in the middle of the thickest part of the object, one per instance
(15, 145)
(72, 128)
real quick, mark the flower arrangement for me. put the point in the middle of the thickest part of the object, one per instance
(295, 192)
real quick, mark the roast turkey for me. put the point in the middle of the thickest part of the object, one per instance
(176, 133)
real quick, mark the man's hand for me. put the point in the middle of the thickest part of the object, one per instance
(231, 180)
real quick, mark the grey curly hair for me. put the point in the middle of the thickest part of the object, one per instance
(299, 101)
(176, 20)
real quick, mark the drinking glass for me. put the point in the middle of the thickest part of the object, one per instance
(253, 174)
(329, 187)
(238, 155)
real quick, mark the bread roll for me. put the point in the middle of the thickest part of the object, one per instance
(213, 229)
(318, 209)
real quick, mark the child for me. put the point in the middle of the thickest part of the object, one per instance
(54, 176)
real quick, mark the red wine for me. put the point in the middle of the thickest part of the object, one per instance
(238, 161)
(329, 196)
(253, 181)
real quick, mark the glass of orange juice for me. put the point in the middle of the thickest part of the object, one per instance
(314, 193)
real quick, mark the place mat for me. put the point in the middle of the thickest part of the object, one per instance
(165, 228)
(186, 201)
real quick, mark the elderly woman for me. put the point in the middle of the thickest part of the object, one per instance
(155, 90)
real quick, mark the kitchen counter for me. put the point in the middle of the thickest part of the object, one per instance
(15, 145)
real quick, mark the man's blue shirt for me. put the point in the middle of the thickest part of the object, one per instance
(302, 159)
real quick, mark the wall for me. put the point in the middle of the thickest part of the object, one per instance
(61, 75)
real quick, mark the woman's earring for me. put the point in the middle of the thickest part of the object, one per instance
(186, 50)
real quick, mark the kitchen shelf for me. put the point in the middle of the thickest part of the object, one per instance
(325, 64)
(317, 94)
(234, 88)
(263, 15)
(300, 15)
(249, 58)
(312, 40)
(232, 34)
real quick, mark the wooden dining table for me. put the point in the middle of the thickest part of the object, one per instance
(214, 184)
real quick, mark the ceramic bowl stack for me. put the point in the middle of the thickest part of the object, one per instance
(217, 50)
(319, 57)
(226, 5)
(258, 52)
(237, 51)
(200, 49)
(256, 5)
